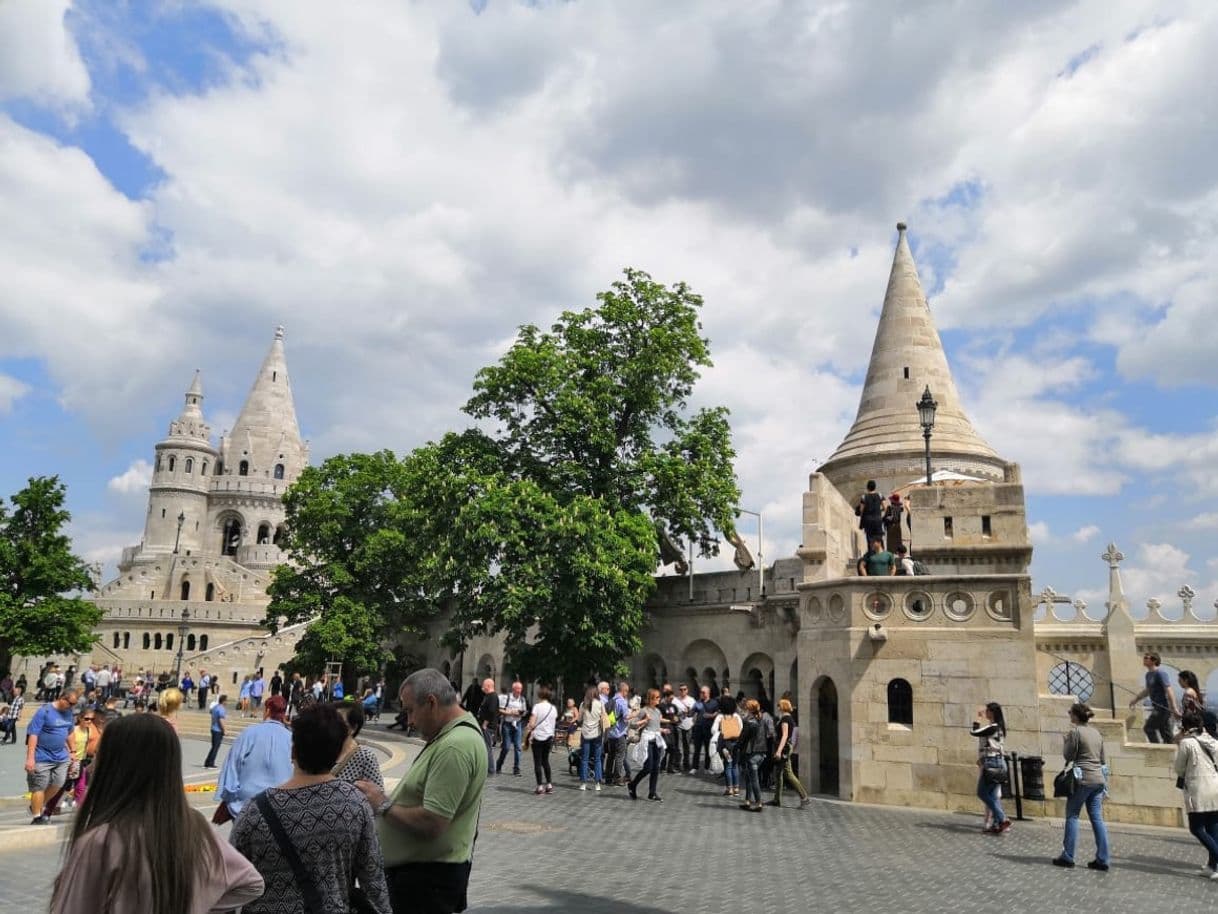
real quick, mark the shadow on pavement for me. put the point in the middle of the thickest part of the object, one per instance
(559, 900)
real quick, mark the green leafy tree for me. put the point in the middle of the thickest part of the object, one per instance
(351, 566)
(38, 574)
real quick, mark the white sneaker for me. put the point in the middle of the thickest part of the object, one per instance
(692, 771)
(1214, 875)
(583, 786)
(598, 787)
(1205, 872)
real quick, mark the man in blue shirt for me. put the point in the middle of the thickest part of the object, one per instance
(1162, 700)
(217, 730)
(46, 751)
(617, 769)
(261, 757)
(257, 690)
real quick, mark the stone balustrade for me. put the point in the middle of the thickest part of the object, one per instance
(935, 600)
(170, 611)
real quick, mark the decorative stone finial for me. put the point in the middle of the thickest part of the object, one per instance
(1153, 605)
(901, 226)
(279, 332)
(1080, 606)
(1113, 556)
(1186, 595)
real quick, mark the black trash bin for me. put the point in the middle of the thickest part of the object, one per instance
(1032, 774)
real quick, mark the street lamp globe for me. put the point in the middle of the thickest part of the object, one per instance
(926, 410)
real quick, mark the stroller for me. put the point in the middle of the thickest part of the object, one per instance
(573, 744)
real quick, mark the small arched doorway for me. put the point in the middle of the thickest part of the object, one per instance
(827, 749)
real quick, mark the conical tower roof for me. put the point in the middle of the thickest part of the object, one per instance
(266, 434)
(190, 424)
(886, 443)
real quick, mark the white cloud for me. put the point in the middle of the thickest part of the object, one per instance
(1206, 521)
(1039, 533)
(11, 390)
(38, 56)
(134, 480)
(1085, 533)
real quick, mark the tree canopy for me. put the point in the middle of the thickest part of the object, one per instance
(540, 524)
(38, 575)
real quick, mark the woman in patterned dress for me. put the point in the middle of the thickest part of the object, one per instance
(355, 762)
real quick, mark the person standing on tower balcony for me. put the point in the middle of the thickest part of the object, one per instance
(892, 521)
(877, 563)
(870, 511)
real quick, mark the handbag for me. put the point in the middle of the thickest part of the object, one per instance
(357, 897)
(994, 769)
(1063, 782)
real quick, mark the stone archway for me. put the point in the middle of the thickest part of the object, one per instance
(823, 720)
(705, 664)
(757, 679)
(486, 668)
(653, 671)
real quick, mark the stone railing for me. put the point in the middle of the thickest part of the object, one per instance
(244, 485)
(260, 555)
(981, 600)
(170, 612)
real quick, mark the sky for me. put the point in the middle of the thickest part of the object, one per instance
(403, 186)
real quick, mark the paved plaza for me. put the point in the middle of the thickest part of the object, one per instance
(600, 853)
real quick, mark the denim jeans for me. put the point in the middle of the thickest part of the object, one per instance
(616, 765)
(650, 770)
(731, 771)
(510, 733)
(1204, 826)
(1091, 796)
(702, 737)
(592, 746)
(752, 782)
(216, 738)
(991, 796)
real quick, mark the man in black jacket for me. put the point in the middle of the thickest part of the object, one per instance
(488, 719)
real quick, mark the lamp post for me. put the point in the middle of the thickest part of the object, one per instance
(178, 538)
(760, 562)
(183, 631)
(926, 415)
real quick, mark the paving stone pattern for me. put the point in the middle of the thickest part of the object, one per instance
(696, 852)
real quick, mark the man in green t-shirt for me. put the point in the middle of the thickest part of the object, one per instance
(428, 823)
(878, 563)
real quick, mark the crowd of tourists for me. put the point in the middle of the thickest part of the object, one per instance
(620, 739)
(313, 827)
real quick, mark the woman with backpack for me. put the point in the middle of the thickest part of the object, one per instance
(1083, 750)
(990, 729)
(783, 771)
(725, 733)
(753, 748)
(1197, 774)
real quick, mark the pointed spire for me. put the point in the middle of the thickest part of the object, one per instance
(886, 441)
(266, 435)
(190, 423)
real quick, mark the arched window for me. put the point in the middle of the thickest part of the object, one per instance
(277, 539)
(1070, 678)
(157, 641)
(190, 642)
(147, 641)
(169, 642)
(243, 468)
(203, 470)
(210, 593)
(172, 461)
(158, 463)
(190, 464)
(126, 640)
(232, 536)
(219, 467)
(116, 639)
(900, 702)
(264, 534)
(279, 471)
(185, 589)
(202, 642)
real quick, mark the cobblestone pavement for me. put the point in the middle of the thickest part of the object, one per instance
(596, 853)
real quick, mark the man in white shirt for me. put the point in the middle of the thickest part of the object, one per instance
(686, 715)
(513, 711)
(204, 689)
(102, 683)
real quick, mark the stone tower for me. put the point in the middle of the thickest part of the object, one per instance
(183, 463)
(259, 459)
(885, 443)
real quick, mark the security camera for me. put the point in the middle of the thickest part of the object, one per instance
(877, 633)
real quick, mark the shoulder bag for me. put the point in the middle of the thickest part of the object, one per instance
(358, 899)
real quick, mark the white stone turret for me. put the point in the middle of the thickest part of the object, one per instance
(885, 443)
(261, 457)
(184, 460)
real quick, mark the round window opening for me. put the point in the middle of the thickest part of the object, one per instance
(1070, 678)
(918, 605)
(958, 606)
(998, 605)
(877, 605)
